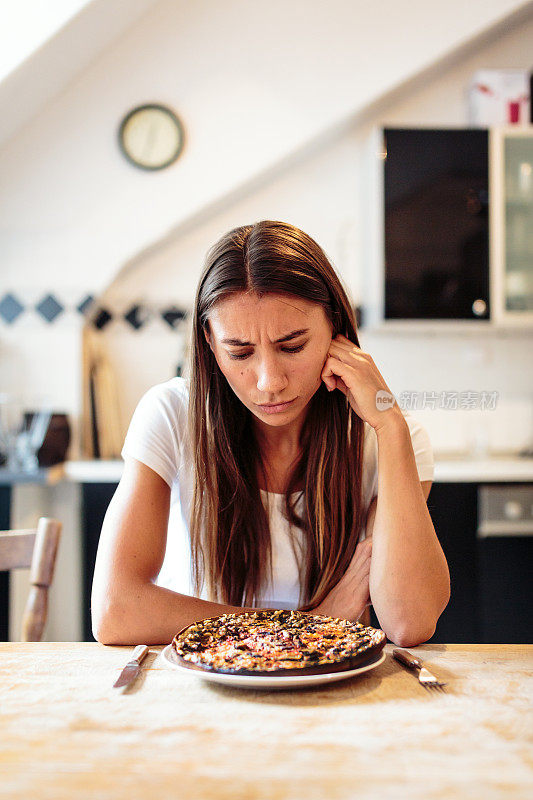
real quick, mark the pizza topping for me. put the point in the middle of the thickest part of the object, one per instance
(270, 641)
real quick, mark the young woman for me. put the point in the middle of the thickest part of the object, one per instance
(282, 474)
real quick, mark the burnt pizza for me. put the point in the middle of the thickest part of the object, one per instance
(276, 642)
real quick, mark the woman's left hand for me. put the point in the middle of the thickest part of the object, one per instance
(354, 373)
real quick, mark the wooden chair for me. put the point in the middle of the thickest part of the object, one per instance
(35, 549)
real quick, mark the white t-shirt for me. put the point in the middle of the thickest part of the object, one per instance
(157, 436)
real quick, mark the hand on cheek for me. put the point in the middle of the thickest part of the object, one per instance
(354, 373)
(332, 381)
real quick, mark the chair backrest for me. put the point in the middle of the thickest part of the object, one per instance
(35, 549)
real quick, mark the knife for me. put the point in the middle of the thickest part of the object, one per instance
(133, 667)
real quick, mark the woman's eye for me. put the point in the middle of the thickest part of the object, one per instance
(293, 349)
(285, 350)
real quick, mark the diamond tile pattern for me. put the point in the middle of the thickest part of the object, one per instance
(49, 308)
(86, 304)
(10, 308)
(137, 316)
(173, 316)
(102, 318)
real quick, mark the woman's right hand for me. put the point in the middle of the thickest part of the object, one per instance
(351, 595)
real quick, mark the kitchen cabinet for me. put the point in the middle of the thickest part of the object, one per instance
(504, 559)
(511, 223)
(449, 232)
(491, 586)
(95, 499)
(453, 510)
(5, 524)
(436, 245)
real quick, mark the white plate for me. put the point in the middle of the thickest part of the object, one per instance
(266, 682)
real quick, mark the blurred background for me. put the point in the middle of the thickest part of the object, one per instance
(397, 134)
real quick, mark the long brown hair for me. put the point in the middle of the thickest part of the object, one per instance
(230, 536)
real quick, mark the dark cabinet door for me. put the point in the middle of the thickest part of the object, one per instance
(5, 524)
(505, 567)
(491, 578)
(95, 500)
(453, 509)
(436, 192)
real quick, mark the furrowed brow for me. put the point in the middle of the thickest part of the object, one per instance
(293, 335)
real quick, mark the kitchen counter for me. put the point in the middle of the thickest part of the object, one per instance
(379, 734)
(448, 469)
(46, 476)
(507, 468)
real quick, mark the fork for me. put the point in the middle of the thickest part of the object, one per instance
(425, 677)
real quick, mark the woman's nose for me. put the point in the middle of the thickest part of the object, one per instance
(271, 376)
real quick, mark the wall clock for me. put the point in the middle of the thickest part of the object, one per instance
(151, 136)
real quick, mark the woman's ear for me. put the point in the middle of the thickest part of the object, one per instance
(207, 338)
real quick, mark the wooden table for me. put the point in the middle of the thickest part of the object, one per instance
(66, 733)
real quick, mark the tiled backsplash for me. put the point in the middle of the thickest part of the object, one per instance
(50, 307)
(473, 393)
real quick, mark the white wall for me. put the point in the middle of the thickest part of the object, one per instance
(325, 192)
(254, 82)
(45, 46)
(27, 24)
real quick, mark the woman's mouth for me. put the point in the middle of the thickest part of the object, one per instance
(276, 408)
